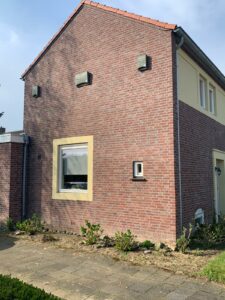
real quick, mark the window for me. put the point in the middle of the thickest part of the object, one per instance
(138, 171)
(199, 216)
(202, 92)
(212, 99)
(73, 171)
(72, 168)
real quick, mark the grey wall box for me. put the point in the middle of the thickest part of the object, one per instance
(143, 62)
(82, 79)
(36, 91)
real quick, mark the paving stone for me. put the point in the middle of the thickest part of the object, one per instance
(124, 268)
(91, 273)
(176, 296)
(93, 284)
(203, 296)
(127, 294)
(72, 287)
(161, 275)
(89, 276)
(211, 287)
(71, 269)
(101, 296)
(144, 274)
(222, 295)
(182, 293)
(76, 296)
(114, 288)
(175, 279)
(140, 286)
(160, 290)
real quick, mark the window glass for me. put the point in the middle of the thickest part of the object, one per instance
(138, 169)
(202, 88)
(212, 99)
(73, 167)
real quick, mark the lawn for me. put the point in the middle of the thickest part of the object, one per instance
(12, 288)
(215, 269)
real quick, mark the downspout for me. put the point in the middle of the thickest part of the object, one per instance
(179, 45)
(25, 152)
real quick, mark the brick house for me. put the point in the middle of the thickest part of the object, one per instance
(126, 123)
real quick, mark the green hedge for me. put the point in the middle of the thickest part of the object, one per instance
(14, 289)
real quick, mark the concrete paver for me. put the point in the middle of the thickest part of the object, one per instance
(77, 276)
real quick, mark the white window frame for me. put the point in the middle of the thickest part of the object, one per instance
(64, 147)
(212, 101)
(138, 174)
(202, 91)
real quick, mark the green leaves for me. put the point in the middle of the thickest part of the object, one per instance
(92, 233)
(184, 240)
(12, 288)
(31, 226)
(125, 241)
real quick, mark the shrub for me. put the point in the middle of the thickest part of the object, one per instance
(10, 225)
(92, 233)
(106, 241)
(147, 244)
(31, 226)
(184, 240)
(12, 288)
(211, 234)
(125, 241)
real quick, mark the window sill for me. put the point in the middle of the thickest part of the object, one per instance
(139, 179)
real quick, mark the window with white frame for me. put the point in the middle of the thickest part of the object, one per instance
(212, 99)
(138, 170)
(202, 92)
(73, 168)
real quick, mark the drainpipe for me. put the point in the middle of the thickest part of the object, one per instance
(179, 45)
(25, 152)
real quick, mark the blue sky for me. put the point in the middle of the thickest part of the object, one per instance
(27, 25)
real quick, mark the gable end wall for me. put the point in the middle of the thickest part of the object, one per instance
(128, 113)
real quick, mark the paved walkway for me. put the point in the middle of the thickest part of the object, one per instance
(89, 276)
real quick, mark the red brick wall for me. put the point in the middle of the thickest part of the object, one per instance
(129, 113)
(199, 136)
(11, 162)
(5, 155)
(16, 181)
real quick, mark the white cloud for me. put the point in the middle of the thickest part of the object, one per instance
(14, 37)
(8, 36)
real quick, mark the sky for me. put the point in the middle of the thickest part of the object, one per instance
(27, 25)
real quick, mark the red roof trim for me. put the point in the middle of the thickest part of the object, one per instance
(106, 8)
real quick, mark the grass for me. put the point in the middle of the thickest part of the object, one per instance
(215, 269)
(12, 288)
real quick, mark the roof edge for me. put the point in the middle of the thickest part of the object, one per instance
(157, 23)
(52, 40)
(200, 57)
